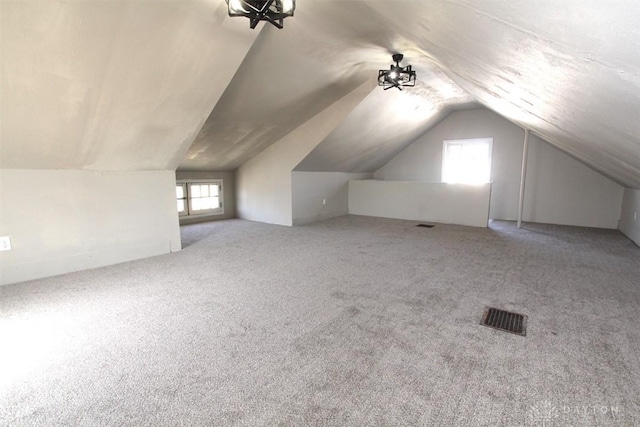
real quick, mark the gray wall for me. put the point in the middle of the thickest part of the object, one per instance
(630, 215)
(422, 160)
(560, 190)
(62, 221)
(228, 189)
(310, 189)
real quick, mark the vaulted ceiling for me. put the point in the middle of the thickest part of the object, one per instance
(143, 84)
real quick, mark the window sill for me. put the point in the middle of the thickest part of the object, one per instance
(200, 215)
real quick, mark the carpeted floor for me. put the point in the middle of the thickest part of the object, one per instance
(350, 321)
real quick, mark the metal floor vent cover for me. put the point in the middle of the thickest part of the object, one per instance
(505, 321)
(425, 225)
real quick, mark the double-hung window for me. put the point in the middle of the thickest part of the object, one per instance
(199, 197)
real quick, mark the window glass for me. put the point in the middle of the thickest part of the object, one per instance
(181, 199)
(467, 161)
(205, 198)
(199, 198)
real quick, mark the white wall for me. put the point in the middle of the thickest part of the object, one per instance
(630, 215)
(62, 221)
(560, 190)
(264, 185)
(228, 190)
(421, 201)
(310, 189)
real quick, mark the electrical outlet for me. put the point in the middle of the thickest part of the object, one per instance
(5, 243)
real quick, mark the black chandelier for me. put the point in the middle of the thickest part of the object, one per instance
(397, 76)
(273, 11)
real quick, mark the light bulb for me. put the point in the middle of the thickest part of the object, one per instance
(287, 6)
(393, 75)
(236, 6)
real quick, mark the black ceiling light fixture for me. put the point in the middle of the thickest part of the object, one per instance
(397, 76)
(273, 11)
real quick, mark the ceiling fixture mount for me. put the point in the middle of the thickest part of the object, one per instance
(273, 11)
(397, 76)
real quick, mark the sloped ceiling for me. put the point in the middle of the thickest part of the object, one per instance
(569, 71)
(165, 84)
(382, 125)
(111, 85)
(290, 75)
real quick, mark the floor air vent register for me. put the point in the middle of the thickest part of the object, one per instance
(505, 321)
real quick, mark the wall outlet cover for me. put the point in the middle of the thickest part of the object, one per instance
(5, 243)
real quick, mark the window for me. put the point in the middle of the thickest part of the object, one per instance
(199, 197)
(204, 198)
(181, 195)
(467, 161)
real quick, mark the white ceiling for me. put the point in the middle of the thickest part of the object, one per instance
(155, 85)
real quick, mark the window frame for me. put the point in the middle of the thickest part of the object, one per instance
(185, 212)
(189, 211)
(466, 141)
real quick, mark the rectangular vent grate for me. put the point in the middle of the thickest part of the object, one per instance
(425, 225)
(505, 321)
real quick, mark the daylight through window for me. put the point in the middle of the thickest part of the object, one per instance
(467, 161)
(198, 198)
(181, 195)
(204, 197)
